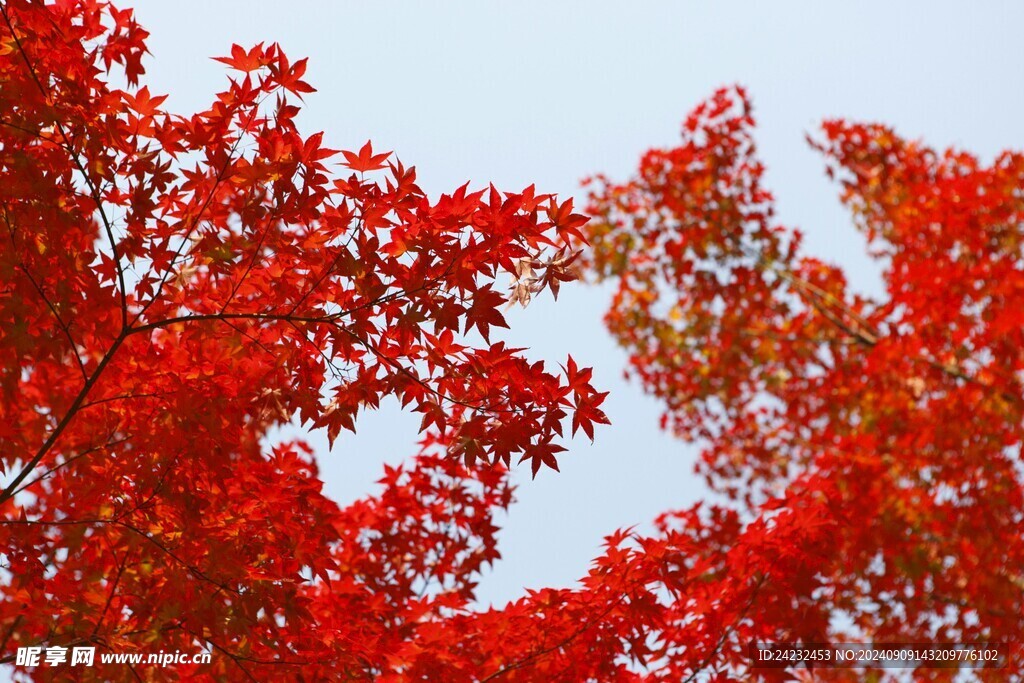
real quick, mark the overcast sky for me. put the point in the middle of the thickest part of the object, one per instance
(539, 92)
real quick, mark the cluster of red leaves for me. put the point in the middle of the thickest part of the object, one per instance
(175, 286)
(878, 442)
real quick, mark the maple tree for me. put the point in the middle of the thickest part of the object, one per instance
(870, 448)
(176, 286)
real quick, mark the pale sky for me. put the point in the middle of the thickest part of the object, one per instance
(538, 92)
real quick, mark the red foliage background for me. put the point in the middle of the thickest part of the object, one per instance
(175, 286)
